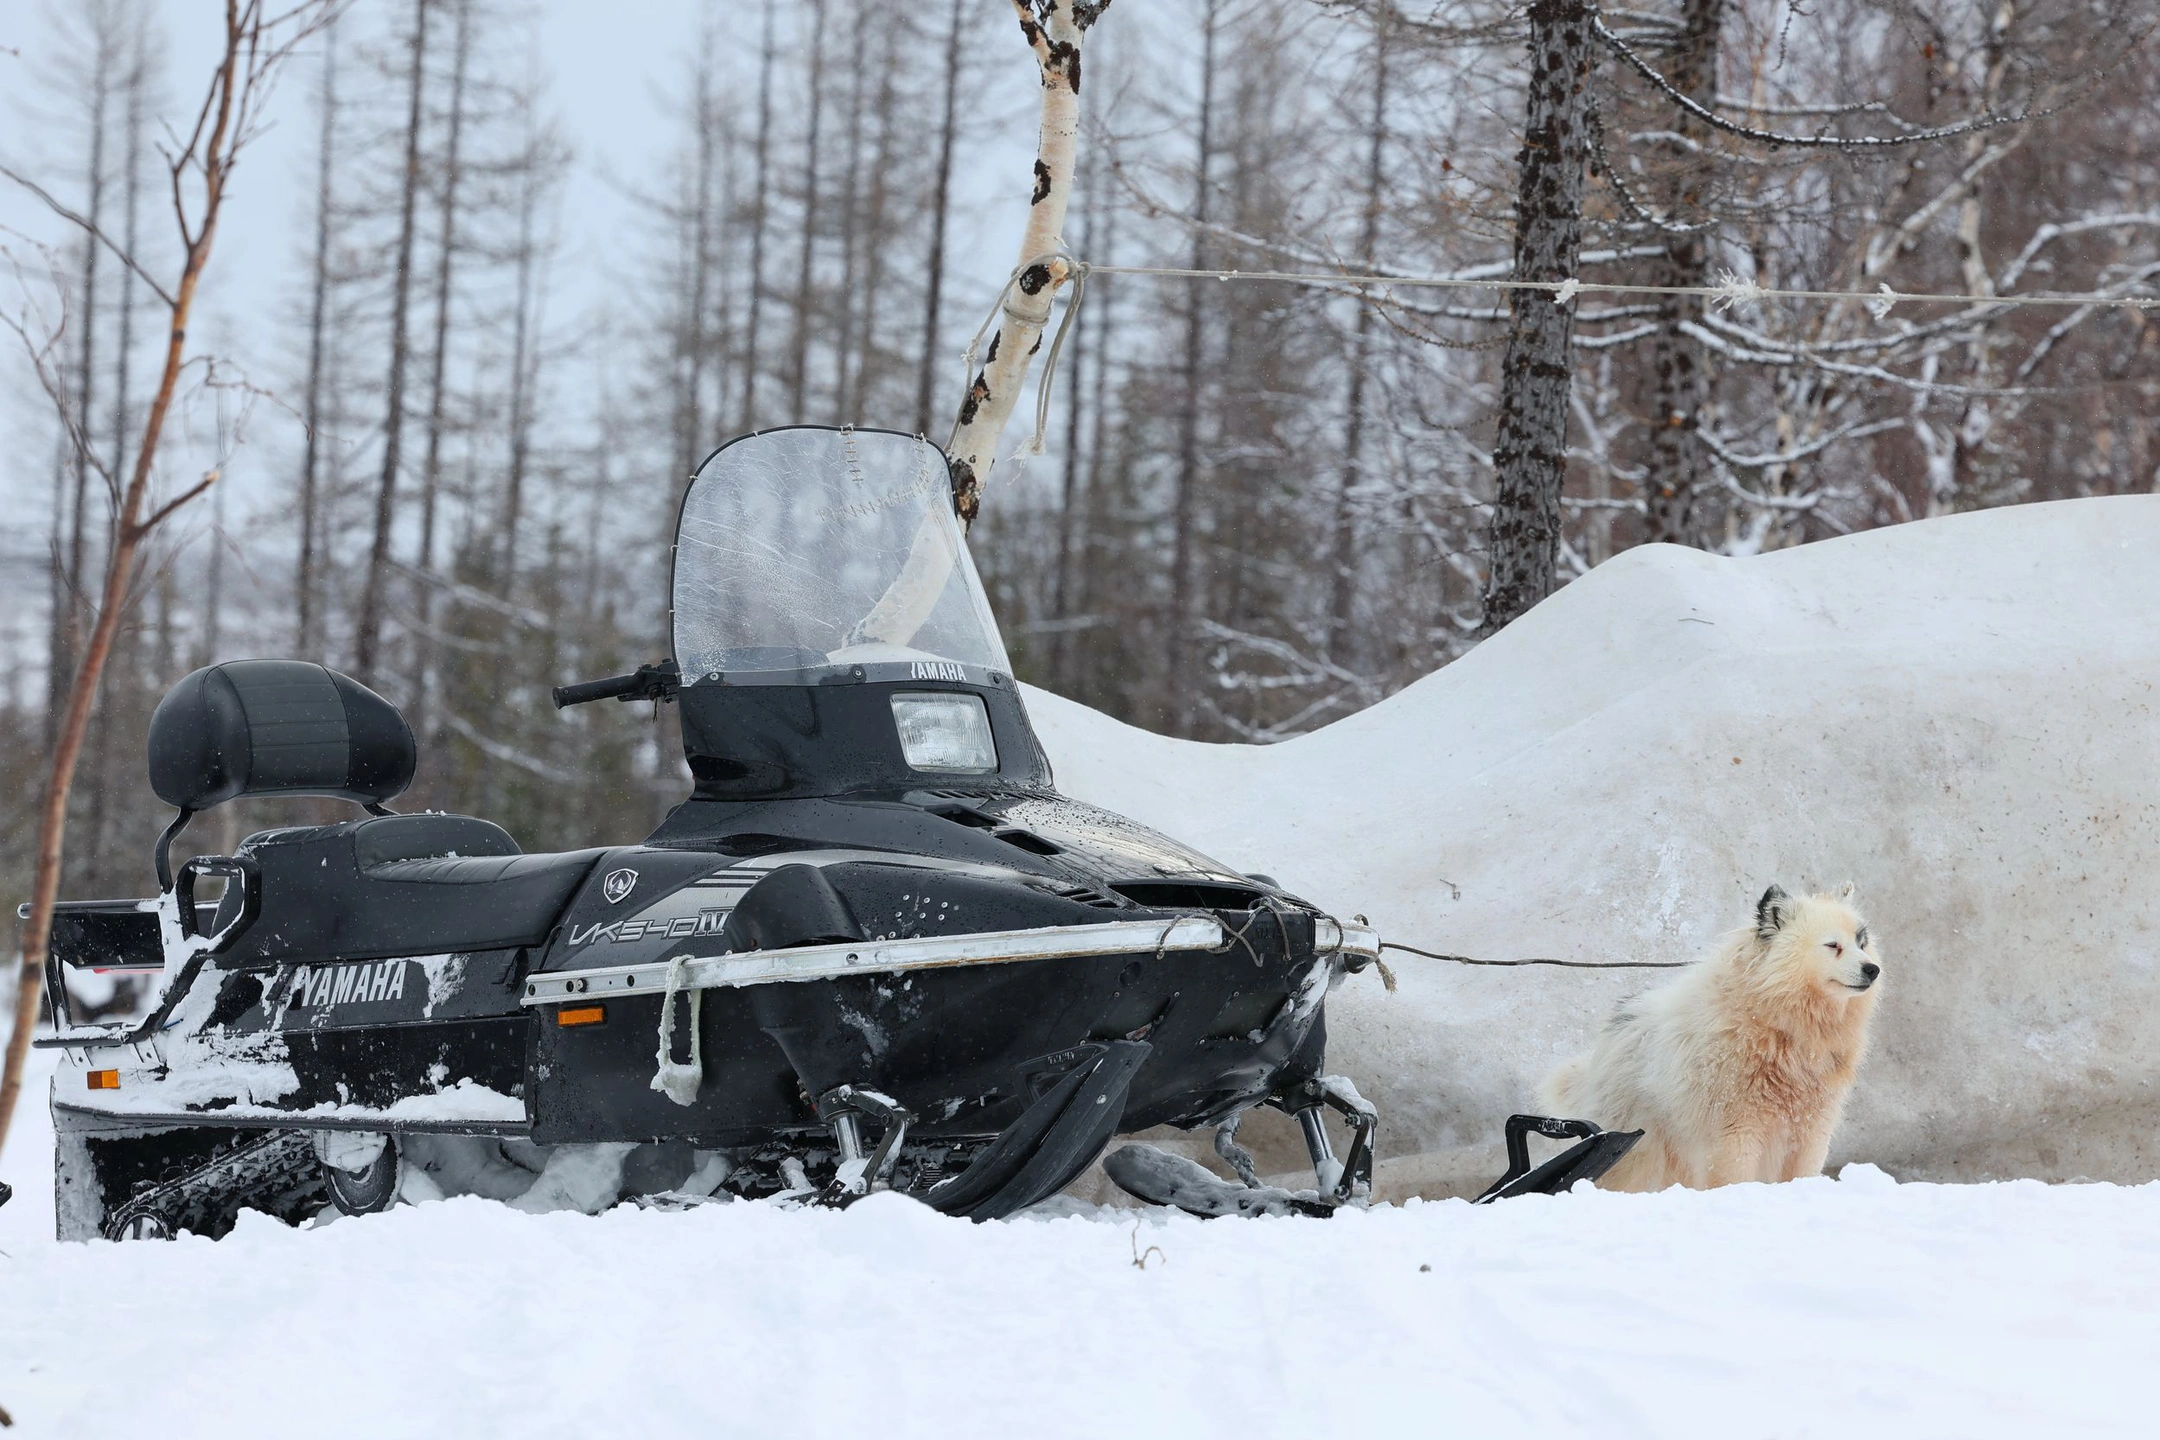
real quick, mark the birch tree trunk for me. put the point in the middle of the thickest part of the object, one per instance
(1055, 30)
(255, 47)
(1530, 451)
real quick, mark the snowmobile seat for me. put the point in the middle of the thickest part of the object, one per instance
(402, 885)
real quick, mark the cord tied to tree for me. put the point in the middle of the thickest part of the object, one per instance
(1030, 305)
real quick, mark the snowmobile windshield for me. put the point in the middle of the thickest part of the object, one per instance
(804, 549)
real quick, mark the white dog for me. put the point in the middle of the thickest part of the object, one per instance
(1739, 1068)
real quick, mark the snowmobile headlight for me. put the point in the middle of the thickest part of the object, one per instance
(946, 732)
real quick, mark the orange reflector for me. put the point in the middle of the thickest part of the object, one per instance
(571, 1015)
(104, 1079)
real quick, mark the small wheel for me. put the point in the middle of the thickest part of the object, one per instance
(364, 1192)
(146, 1226)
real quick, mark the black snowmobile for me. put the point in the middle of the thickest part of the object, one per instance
(873, 949)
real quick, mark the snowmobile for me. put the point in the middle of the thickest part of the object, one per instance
(873, 949)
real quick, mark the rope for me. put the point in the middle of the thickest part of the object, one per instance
(1565, 964)
(1076, 270)
(1731, 290)
(679, 1080)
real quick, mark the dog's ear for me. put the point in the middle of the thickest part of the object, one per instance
(1771, 911)
(1845, 891)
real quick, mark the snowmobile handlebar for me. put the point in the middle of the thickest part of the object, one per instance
(657, 681)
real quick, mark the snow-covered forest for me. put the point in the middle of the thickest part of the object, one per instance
(453, 429)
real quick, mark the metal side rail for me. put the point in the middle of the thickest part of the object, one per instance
(882, 957)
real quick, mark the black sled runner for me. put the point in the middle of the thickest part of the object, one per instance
(873, 949)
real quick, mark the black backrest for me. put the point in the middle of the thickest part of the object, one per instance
(276, 727)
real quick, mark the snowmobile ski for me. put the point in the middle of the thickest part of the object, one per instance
(1162, 1177)
(1595, 1152)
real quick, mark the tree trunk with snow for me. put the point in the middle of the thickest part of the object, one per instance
(1055, 30)
(1530, 451)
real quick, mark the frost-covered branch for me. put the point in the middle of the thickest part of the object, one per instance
(1715, 121)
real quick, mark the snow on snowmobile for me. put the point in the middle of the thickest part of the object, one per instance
(874, 949)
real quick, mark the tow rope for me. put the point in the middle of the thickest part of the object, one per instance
(1567, 964)
(679, 1080)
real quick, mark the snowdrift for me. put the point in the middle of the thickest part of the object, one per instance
(1958, 715)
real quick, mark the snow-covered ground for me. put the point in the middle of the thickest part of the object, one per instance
(1958, 715)
(1847, 1308)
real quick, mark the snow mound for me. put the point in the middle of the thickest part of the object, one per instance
(1958, 715)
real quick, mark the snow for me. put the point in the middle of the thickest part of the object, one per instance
(1850, 1308)
(1956, 714)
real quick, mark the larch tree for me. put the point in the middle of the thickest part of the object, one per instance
(374, 595)
(805, 304)
(760, 222)
(1185, 502)
(1530, 448)
(307, 617)
(1679, 391)
(1342, 556)
(940, 211)
(450, 178)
